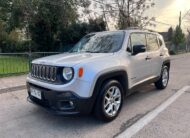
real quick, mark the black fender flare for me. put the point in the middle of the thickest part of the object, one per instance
(167, 62)
(119, 74)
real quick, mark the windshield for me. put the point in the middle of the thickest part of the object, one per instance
(107, 42)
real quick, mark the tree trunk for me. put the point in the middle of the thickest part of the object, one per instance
(128, 14)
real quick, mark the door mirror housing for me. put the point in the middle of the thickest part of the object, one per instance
(138, 49)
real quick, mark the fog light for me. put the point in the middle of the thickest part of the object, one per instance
(66, 105)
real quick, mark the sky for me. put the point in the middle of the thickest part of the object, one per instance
(167, 11)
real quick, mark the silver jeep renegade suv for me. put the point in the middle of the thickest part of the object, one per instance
(99, 72)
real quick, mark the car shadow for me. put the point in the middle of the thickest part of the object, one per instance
(88, 121)
(143, 92)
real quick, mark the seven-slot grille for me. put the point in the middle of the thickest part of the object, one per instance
(44, 72)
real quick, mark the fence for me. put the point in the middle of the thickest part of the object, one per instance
(18, 63)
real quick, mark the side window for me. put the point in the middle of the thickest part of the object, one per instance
(152, 42)
(138, 39)
(129, 47)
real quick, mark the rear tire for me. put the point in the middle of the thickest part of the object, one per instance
(110, 100)
(164, 78)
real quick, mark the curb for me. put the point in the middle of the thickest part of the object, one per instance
(12, 89)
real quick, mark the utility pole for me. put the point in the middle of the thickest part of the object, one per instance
(180, 19)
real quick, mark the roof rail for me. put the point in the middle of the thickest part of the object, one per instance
(131, 28)
(139, 28)
(150, 30)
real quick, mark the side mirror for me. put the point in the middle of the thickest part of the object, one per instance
(139, 49)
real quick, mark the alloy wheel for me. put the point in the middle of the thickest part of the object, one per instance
(112, 101)
(165, 77)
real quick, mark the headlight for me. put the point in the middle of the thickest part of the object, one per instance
(68, 73)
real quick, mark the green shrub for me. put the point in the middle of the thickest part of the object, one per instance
(13, 47)
(172, 52)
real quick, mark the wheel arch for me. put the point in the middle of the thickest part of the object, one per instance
(120, 75)
(167, 63)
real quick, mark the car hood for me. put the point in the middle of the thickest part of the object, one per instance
(70, 59)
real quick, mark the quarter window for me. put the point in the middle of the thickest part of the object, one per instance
(152, 42)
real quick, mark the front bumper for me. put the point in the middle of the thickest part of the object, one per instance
(61, 103)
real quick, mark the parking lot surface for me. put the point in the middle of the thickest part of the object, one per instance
(21, 119)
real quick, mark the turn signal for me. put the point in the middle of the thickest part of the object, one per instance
(80, 72)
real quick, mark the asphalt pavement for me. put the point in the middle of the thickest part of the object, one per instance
(21, 119)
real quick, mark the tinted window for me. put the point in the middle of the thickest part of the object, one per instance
(152, 42)
(138, 39)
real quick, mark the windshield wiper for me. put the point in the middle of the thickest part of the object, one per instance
(88, 51)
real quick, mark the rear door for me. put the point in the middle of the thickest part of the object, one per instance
(153, 49)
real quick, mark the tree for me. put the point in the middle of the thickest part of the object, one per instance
(127, 13)
(47, 21)
(179, 36)
(3, 35)
(56, 24)
(78, 30)
(48, 25)
(170, 34)
(96, 25)
(42, 20)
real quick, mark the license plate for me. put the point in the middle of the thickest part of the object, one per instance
(36, 93)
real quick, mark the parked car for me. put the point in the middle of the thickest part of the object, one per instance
(96, 75)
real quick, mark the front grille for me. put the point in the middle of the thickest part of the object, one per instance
(44, 72)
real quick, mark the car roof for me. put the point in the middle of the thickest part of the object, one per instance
(128, 31)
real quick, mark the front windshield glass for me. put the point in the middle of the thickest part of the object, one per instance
(106, 42)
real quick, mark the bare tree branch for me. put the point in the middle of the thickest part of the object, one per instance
(129, 12)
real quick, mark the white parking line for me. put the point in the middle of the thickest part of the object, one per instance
(132, 130)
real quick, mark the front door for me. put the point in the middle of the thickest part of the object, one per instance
(139, 68)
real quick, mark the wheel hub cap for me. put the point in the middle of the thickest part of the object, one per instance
(165, 77)
(112, 101)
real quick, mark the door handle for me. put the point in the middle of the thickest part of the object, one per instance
(148, 58)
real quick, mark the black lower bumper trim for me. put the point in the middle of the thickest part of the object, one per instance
(61, 103)
(56, 112)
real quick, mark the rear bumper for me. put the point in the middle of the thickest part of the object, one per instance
(61, 103)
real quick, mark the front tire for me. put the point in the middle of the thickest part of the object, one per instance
(110, 100)
(163, 81)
